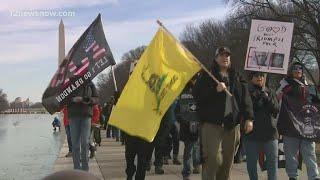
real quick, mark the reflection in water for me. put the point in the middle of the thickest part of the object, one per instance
(28, 146)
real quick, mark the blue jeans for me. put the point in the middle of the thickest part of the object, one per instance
(307, 149)
(190, 149)
(80, 134)
(68, 137)
(115, 133)
(196, 153)
(270, 149)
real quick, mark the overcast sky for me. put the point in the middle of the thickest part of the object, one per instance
(29, 44)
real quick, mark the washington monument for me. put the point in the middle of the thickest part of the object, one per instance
(61, 43)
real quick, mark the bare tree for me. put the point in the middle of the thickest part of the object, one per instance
(305, 14)
(204, 39)
(134, 54)
(105, 82)
(4, 104)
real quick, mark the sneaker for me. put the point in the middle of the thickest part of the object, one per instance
(196, 170)
(92, 154)
(158, 170)
(236, 160)
(68, 154)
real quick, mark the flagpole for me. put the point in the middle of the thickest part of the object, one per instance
(194, 58)
(114, 79)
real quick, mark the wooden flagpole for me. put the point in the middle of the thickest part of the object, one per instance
(194, 58)
(114, 79)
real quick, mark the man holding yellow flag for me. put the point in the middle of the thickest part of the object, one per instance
(220, 115)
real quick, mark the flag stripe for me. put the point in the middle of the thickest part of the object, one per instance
(71, 65)
(73, 68)
(82, 69)
(85, 60)
(96, 47)
(66, 81)
(99, 53)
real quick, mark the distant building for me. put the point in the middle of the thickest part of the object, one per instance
(18, 105)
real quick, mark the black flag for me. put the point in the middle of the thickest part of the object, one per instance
(87, 58)
(304, 117)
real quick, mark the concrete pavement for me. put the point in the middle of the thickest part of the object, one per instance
(109, 163)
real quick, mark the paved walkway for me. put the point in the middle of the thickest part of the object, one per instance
(109, 163)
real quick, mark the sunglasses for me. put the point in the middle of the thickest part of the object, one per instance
(258, 75)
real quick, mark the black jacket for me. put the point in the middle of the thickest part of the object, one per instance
(106, 111)
(211, 104)
(83, 109)
(293, 90)
(265, 108)
(186, 114)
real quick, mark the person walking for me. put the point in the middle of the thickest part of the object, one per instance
(80, 113)
(264, 136)
(67, 128)
(220, 114)
(186, 111)
(294, 92)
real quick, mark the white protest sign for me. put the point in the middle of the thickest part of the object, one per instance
(269, 46)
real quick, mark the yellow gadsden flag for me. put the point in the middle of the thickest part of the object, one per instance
(158, 78)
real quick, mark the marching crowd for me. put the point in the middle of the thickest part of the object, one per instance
(210, 123)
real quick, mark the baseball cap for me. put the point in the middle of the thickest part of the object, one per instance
(222, 50)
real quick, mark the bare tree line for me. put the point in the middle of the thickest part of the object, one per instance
(203, 39)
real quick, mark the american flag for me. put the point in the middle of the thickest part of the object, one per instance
(92, 50)
(82, 58)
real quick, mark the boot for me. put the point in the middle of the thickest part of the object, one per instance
(175, 160)
(196, 170)
(165, 160)
(148, 166)
(186, 177)
(92, 150)
(158, 170)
